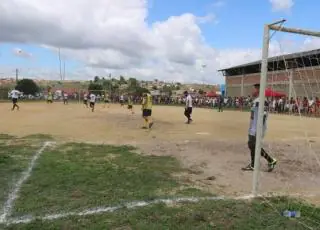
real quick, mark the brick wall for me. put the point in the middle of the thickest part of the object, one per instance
(306, 82)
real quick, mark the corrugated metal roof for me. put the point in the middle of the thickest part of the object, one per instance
(277, 58)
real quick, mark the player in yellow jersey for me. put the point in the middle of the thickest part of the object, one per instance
(130, 104)
(147, 110)
(50, 96)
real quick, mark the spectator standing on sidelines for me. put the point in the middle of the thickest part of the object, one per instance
(188, 108)
(220, 105)
(253, 131)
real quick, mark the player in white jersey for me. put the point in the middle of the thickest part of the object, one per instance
(92, 101)
(188, 108)
(65, 98)
(121, 100)
(85, 99)
(14, 94)
(253, 131)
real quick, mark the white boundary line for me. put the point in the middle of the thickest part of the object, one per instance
(132, 205)
(100, 210)
(13, 195)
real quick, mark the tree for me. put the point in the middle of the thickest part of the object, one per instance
(122, 80)
(96, 79)
(200, 91)
(133, 82)
(167, 89)
(107, 84)
(154, 87)
(28, 87)
(139, 91)
(4, 91)
(95, 86)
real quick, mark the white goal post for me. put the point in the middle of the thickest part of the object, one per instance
(263, 83)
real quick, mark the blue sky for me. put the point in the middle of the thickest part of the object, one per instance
(240, 22)
(238, 25)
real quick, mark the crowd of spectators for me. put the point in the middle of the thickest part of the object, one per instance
(299, 105)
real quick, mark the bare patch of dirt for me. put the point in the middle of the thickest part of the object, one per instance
(213, 161)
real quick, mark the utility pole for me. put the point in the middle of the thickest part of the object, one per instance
(61, 77)
(64, 69)
(17, 75)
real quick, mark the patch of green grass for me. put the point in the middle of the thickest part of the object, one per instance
(76, 176)
(14, 159)
(6, 136)
(206, 215)
(39, 136)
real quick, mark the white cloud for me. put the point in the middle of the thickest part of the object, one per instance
(281, 5)
(311, 43)
(113, 37)
(218, 3)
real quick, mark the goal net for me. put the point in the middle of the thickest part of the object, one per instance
(290, 79)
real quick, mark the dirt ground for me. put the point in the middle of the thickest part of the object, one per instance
(213, 147)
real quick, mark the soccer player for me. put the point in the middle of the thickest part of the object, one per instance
(188, 108)
(50, 96)
(130, 104)
(92, 101)
(253, 131)
(121, 101)
(106, 100)
(65, 98)
(147, 110)
(14, 94)
(85, 99)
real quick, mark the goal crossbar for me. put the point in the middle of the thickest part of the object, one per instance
(294, 30)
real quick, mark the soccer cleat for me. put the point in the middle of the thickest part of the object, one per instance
(248, 168)
(272, 165)
(150, 125)
(143, 127)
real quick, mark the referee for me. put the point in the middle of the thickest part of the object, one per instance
(188, 108)
(253, 131)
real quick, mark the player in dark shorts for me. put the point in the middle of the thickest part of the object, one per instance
(130, 104)
(65, 98)
(121, 101)
(85, 99)
(92, 100)
(147, 110)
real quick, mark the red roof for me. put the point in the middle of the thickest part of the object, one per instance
(270, 93)
(211, 94)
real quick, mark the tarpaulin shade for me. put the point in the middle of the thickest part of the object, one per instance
(270, 93)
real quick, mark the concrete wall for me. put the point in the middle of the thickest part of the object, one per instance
(306, 82)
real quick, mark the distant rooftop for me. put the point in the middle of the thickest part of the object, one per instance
(289, 61)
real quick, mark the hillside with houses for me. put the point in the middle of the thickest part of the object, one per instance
(112, 85)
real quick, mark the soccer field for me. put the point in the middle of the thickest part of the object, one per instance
(64, 167)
